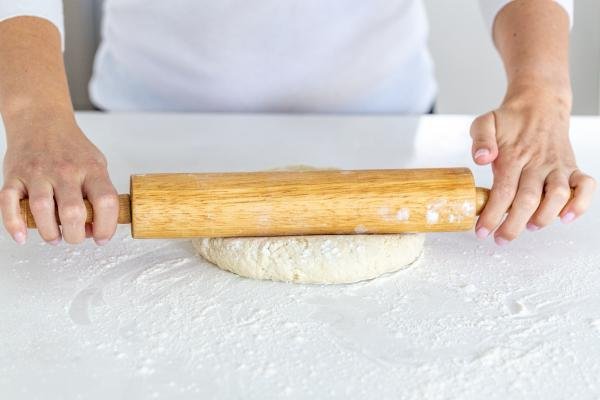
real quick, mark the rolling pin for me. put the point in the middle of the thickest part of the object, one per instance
(277, 203)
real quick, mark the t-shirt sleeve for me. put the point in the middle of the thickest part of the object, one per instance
(490, 9)
(52, 10)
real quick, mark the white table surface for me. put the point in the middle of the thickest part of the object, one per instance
(148, 319)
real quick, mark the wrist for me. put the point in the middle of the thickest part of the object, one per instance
(525, 92)
(23, 114)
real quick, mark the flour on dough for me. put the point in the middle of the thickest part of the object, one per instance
(313, 259)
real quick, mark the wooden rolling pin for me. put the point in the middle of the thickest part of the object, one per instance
(279, 203)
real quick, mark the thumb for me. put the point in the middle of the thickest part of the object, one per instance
(483, 133)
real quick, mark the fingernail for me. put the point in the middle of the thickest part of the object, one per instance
(481, 153)
(568, 217)
(55, 242)
(20, 238)
(101, 242)
(482, 233)
(532, 227)
(500, 241)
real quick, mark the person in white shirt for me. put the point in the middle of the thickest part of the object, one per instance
(336, 56)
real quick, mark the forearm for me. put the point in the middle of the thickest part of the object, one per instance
(532, 37)
(33, 81)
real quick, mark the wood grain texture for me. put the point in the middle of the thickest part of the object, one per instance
(124, 212)
(278, 203)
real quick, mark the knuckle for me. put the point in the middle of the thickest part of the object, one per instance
(99, 162)
(106, 201)
(34, 168)
(560, 192)
(65, 169)
(73, 213)
(95, 160)
(41, 204)
(505, 191)
(529, 199)
(479, 124)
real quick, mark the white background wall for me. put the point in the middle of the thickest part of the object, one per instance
(469, 71)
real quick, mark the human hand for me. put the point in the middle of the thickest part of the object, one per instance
(527, 142)
(52, 162)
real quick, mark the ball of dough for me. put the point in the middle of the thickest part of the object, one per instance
(313, 259)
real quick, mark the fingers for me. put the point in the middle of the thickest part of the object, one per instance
(526, 202)
(502, 194)
(556, 194)
(584, 186)
(105, 203)
(71, 211)
(10, 196)
(68, 197)
(41, 203)
(528, 205)
(483, 133)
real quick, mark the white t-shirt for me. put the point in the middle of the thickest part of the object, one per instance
(338, 56)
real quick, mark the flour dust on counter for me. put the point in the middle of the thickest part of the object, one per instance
(463, 321)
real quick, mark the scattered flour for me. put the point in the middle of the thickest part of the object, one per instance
(432, 216)
(360, 229)
(403, 214)
(466, 321)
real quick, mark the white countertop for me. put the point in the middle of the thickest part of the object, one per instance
(147, 319)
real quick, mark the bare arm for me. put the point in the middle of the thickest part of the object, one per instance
(32, 69)
(527, 138)
(532, 38)
(48, 157)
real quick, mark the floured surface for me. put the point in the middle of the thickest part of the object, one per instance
(325, 259)
(148, 319)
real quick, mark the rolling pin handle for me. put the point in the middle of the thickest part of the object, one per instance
(124, 211)
(481, 197)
